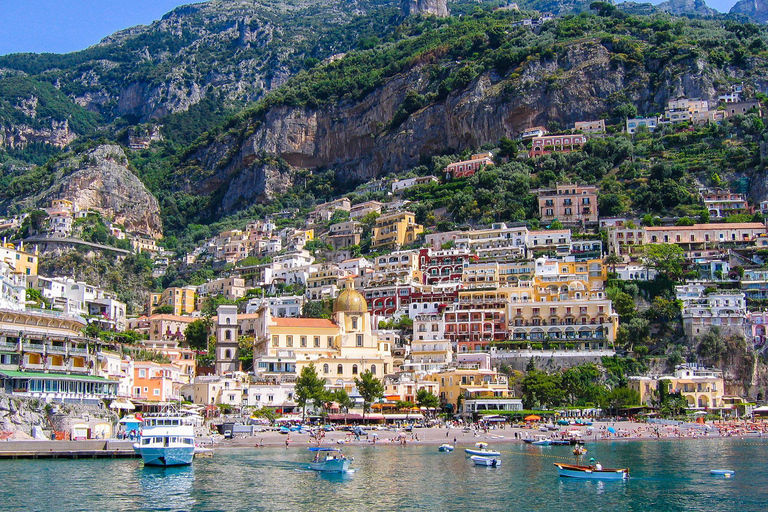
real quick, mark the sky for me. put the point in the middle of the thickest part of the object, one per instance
(62, 26)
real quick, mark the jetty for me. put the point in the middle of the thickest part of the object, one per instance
(90, 449)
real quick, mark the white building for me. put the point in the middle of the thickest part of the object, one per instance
(705, 307)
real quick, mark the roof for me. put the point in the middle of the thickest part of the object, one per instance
(52, 376)
(321, 323)
(173, 318)
(718, 225)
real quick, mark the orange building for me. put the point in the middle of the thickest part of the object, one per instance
(156, 382)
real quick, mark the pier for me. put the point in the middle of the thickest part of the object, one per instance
(91, 449)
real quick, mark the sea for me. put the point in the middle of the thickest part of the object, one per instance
(666, 475)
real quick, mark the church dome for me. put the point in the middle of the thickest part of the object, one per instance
(350, 301)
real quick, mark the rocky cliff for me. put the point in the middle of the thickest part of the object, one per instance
(434, 7)
(683, 7)
(100, 180)
(353, 139)
(756, 10)
(16, 136)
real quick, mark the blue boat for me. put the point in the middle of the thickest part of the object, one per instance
(727, 473)
(329, 460)
(591, 472)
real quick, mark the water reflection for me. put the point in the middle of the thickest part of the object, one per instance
(167, 488)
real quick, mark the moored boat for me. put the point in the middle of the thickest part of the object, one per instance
(591, 472)
(445, 447)
(329, 460)
(485, 461)
(481, 451)
(167, 439)
(722, 472)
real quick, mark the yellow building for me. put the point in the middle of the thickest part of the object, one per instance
(702, 388)
(181, 298)
(469, 383)
(341, 349)
(395, 230)
(21, 261)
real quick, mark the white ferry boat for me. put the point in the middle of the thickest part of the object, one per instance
(167, 439)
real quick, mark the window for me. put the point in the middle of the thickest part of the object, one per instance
(142, 373)
(359, 340)
(326, 369)
(317, 341)
(303, 341)
(289, 341)
(227, 354)
(340, 369)
(227, 335)
(137, 391)
(373, 369)
(275, 340)
(354, 322)
(330, 341)
(354, 369)
(156, 392)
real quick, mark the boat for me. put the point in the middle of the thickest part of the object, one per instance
(727, 473)
(167, 439)
(481, 451)
(539, 441)
(485, 461)
(446, 447)
(329, 460)
(591, 472)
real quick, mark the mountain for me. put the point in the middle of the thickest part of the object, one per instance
(684, 7)
(756, 10)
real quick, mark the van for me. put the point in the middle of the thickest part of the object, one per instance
(227, 434)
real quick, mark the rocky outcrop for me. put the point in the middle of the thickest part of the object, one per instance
(20, 135)
(756, 10)
(101, 181)
(18, 415)
(433, 7)
(682, 7)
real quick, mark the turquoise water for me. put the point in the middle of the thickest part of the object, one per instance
(666, 476)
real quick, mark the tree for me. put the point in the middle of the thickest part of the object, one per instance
(636, 332)
(618, 398)
(612, 260)
(370, 388)
(166, 309)
(315, 309)
(541, 390)
(341, 397)
(425, 398)
(212, 303)
(665, 259)
(309, 387)
(196, 334)
(712, 347)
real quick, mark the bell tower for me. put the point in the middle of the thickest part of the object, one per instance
(227, 350)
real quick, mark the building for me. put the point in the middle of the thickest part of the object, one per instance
(470, 383)
(286, 306)
(702, 388)
(231, 288)
(345, 234)
(156, 382)
(360, 210)
(401, 185)
(705, 308)
(683, 109)
(722, 203)
(444, 266)
(227, 340)
(216, 390)
(536, 131)
(650, 123)
(590, 126)
(324, 212)
(568, 203)
(743, 107)
(561, 143)
(278, 396)
(341, 349)
(394, 230)
(467, 168)
(701, 236)
(181, 299)
(19, 260)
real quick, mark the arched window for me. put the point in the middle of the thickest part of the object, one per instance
(354, 369)
(326, 369)
(340, 369)
(354, 322)
(227, 335)
(373, 369)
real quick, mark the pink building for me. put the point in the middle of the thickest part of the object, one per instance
(562, 143)
(469, 167)
(568, 203)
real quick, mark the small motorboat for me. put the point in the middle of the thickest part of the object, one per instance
(329, 460)
(445, 447)
(539, 441)
(481, 451)
(591, 472)
(485, 461)
(727, 473)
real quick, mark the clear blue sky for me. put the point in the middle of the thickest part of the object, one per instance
(62, 26)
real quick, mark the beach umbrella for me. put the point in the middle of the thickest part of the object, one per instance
(532, 417)
(611, 430)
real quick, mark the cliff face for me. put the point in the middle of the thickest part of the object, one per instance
(21, 135)
(434, 7)
(101, 181)
(756, 10)
(349, 137)
(682, 7)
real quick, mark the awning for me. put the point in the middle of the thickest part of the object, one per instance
(532, 417)
(8, 374)
(122, 403)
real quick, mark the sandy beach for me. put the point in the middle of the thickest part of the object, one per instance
(467, 437)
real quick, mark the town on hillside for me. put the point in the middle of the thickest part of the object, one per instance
(361, 288)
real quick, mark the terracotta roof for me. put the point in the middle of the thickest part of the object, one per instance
(719, 225)
(304, 322)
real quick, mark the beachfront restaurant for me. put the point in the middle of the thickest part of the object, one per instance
(53, 387)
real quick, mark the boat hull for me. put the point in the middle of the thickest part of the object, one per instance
(166, 456)
(331, 466)
(587, 473)
(485, 461)
(445, 448)
(481, 453)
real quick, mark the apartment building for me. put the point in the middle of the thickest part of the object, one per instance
(467, 168)
(722, 203)
(559, 143)
(394, 230)
(345, 234)
(701, 236)
(181, 299)
(701, 387)
(568, 203)
(650, 123)
(231, 288)
(590, 126)
(19, 259)
(704, 309)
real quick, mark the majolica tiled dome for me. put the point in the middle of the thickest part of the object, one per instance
(350, 301)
